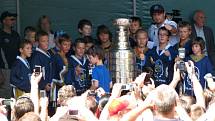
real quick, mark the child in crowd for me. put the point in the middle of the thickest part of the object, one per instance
(85, 27)
(60, 66)
(30, 35)
(163, 57)
(134, 26)
(21, 72)
(79, 64)
(201, 62)
(42, 58)
(89, 42)
(44, 24)
(60, 61)
(56, 49)
(100, 74)
(184, 36)
(142, 59)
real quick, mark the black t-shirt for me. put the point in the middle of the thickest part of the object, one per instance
(9, 43)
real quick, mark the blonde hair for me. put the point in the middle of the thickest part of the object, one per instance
(66, 92)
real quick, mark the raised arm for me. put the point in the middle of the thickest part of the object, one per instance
(35, 79)
(197, 88)
(176, 77)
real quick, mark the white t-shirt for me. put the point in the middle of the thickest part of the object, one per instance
(153, 33)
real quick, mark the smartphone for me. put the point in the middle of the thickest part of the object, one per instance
(147, 79)
(37, 70)
(7, 102)
(42, 93)
(73, 112)
(181, 53)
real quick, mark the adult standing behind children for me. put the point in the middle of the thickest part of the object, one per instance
(158, 15)
(9, 44)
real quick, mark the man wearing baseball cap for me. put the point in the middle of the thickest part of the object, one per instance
(9, 42)
(158, 15)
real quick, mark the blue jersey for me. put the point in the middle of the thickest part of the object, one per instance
(53, 51)
(202, 67)
(20, 74)
(187, 46)
(102, 75)
(142, 65)
(80, 82)
(43, 59)
(163, 65)
(58, 64)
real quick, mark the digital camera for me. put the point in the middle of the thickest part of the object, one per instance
(181, 66)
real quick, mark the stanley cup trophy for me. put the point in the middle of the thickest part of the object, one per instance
(122, 60)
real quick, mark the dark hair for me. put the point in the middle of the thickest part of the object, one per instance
(184, 24)
(24, 43)
(103, 101)
(164, 29)
(102, 29)
(88, 39)
(40, 34)
(30, 116)
(79, 40)
(96, 51)
(63, 38)
(136, 19)
(84, 22)
(157, 8)
(22, 106)
(199, 41)
(29, 29)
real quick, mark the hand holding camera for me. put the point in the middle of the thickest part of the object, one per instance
(37, 70)
(36, 76)
(180, 63)
(190, 69)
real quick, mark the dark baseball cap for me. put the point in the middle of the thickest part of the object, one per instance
(157, 8)
(7, 14)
